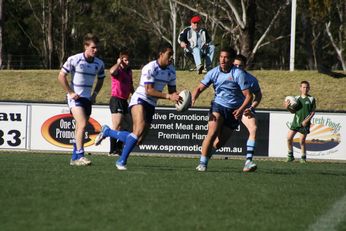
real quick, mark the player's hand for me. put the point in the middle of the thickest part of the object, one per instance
(183, 44)
(304, 123)
(238, 113)
(248, 113)
(73, 95)
(174, 97)
(287, 103)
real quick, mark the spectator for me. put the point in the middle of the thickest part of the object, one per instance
(196, 41)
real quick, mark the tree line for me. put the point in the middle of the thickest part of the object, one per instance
(43, 33)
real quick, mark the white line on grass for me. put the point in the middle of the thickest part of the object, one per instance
(330, 220)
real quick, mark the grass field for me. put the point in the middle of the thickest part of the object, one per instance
(42, 192)
(42, 86)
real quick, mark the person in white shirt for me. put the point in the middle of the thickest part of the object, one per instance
(83, 68)
(154, 77)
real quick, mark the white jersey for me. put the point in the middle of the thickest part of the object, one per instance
(152, 73)
(83, 73)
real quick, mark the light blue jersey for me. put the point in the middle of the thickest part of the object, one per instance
(152, 73)
(83, 73)
(254, 85)
(228, 86)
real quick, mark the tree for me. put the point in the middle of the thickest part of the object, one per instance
(238, 19)
(337, 33)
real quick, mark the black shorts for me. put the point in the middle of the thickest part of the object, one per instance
(117, 105)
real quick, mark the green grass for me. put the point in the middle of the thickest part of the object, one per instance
(42, 192)
(42, 86)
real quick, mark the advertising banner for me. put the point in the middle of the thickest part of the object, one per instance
(183, 132)
(13, 126)
(172, 132)
(52, 127)
(327, 138)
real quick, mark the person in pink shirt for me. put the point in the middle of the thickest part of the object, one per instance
(122, 87)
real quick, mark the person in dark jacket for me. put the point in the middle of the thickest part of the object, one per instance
(195, 40)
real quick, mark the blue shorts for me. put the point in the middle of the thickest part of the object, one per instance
(148, 108)
(227, 113)
(85, 103)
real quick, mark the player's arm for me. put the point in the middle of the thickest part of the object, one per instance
(257, 99)
(62, 78)
(309, 117)
(248, 99)
(195, 94)
(97, 89)
(151, 91)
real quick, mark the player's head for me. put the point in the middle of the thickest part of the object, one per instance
(90, 45)
(226, 57)
(304, 87)
(165, 52)
(240, 61)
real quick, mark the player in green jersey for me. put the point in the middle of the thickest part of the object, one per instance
(303, 113)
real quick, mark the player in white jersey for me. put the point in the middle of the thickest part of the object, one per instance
(154, 77)
(83, 68)
(248, 118)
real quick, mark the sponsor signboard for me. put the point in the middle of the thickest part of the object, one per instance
(327, 138)
(52, 128)
(183, 132)
(172, 132)
(13, 126)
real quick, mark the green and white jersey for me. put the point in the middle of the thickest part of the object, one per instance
(304, 108)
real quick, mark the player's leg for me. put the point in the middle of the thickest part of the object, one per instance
(140, 125)
(224, 134)
(290, 135)
(81, 121)
(302, 142)
(251, 125)
(214, 124)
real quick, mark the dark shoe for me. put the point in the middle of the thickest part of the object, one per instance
(200, 69)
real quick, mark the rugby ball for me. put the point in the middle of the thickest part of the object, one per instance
(293, 102)
(186, 101)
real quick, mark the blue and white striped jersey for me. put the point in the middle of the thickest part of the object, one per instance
(152, 73)
(83, 73)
